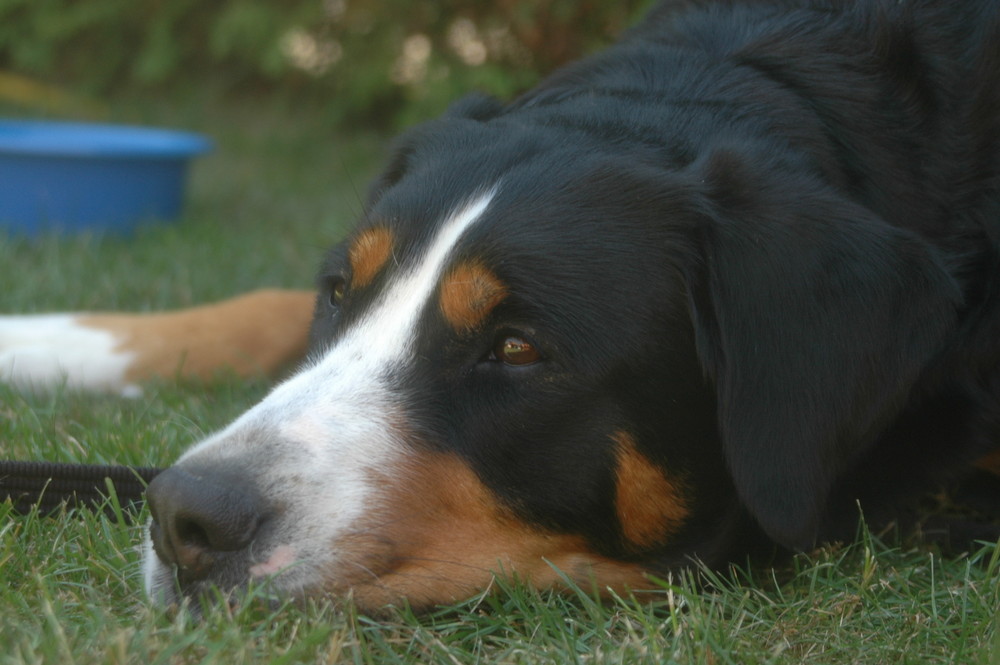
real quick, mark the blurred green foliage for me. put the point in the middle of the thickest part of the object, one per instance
(382, 61)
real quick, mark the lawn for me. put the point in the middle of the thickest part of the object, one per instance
(280, 187)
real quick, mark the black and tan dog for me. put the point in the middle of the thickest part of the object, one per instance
(716, 285)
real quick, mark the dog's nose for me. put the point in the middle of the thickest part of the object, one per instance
(200, 516)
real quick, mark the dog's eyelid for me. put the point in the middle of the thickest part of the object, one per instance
(515, 349)
(336, 289)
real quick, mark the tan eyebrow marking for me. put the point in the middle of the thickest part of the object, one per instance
(468, 294)
(369, 253)
(649, 505)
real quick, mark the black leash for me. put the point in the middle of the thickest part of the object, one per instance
(47, 486)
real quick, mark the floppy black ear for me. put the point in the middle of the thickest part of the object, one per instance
(814, 318)
(474, 108)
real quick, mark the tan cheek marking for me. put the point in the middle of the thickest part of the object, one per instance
(370, 251)
(650, 506)
(468, 294)
(256, 333)
(990, 463)
(441, 536)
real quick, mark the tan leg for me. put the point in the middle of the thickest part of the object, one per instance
(256, 333)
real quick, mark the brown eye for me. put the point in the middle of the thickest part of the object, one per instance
(516, 351)
(338, 288)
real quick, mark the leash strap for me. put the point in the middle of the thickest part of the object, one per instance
(48, 485)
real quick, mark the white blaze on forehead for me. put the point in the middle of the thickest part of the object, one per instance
(347, 385)
(384, 334)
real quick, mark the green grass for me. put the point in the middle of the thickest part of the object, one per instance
(279, 188)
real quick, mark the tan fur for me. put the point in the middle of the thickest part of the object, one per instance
(990, 463)
(468, 294)
(441, 536)
(650, 506)
(369, 252)
(257, 333)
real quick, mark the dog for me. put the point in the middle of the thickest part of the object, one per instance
(707, 291)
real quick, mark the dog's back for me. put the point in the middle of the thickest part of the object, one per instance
(895, 103)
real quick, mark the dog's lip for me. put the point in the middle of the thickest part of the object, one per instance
(281, 558)
(175, 581)
(163, 589)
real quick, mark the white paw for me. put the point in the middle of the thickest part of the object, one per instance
(46, 351)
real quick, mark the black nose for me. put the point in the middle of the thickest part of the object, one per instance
(200, 516)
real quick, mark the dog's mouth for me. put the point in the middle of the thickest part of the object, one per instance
(434, 536)
(204, 598)
(205, 579)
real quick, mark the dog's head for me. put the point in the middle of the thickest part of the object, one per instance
(542, 354)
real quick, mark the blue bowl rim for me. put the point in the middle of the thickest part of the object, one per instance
(99, 140)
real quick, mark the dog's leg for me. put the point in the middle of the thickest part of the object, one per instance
(256, 333)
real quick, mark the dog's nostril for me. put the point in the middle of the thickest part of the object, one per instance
(191, 534)
(200, 515)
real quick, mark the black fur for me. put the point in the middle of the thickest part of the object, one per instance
(764, 238)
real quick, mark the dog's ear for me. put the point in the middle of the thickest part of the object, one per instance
(400, 154)
(474, 107)
(813, 318)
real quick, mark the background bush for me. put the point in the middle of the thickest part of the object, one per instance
(383, 61)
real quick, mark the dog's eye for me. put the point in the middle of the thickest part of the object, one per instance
(337, 289)
(516, 351)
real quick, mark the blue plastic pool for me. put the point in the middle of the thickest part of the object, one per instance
(76, 176)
